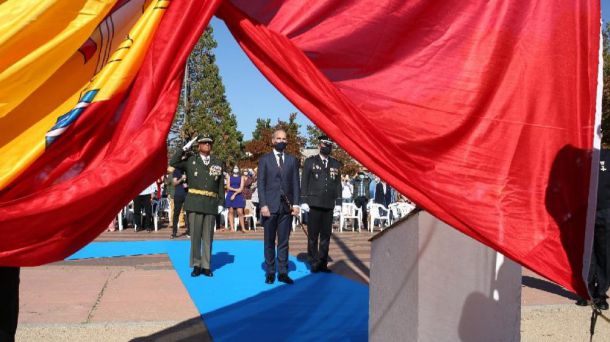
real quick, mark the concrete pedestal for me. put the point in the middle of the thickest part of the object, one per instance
(429, 282)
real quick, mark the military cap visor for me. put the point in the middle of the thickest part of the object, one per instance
(205, 138)
(323, 139)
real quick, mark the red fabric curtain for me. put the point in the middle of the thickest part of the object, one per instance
(481, 112)
(116, 149)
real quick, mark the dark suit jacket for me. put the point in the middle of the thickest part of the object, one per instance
(272, 182)
(320, 186)
(383, 198)
(365, 182)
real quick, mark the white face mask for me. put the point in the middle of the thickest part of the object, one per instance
(235, 171)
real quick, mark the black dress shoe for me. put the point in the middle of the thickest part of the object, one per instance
(601, 303)
(582, 302)
(206, 272)
(196, 271)
(315, 269)
(269, 278)
(325, 269)
(284, 278)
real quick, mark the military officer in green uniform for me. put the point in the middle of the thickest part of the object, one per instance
(204, 200)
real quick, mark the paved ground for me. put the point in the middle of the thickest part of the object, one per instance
(141, 298)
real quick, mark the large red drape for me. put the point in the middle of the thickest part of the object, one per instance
(481, 112)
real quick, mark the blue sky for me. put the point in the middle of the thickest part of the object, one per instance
(251, 95)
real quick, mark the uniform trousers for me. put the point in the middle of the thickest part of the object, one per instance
(277, 225)
(142, 202)
(202, 234)
(319, 226)
(9, 302)
(361, 202)
(599, 273)
(178, 203)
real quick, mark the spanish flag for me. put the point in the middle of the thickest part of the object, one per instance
(484, 113)
(88, 90)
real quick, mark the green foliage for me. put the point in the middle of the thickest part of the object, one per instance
(261, 140)
(350, 165)
(203, 106)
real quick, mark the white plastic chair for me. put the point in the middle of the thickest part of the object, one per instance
(127, 211)
(336, 216)
(375, 214)
(250, 213)
(350, 211)
(396, 213)
(162, 206)
(225, 215)
(405, 208)
(294, 219)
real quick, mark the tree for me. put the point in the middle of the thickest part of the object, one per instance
(203, 106)
(261, 140)
(350, 165)
(606, 90)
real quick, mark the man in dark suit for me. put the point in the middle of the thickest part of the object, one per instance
(383, 194)
(204, 200)
(361, 194)
(320, 188)
(278, 194)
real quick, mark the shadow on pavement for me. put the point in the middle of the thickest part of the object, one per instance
(188, 331)
(547, 286)
(352, 256)
(320, 307)
(221, 259)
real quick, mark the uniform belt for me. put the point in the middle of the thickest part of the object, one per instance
(203, 193)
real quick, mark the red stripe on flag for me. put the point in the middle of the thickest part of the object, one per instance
(105, 158)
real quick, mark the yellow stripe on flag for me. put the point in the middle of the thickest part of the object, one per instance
(37, 37)
(60, 92)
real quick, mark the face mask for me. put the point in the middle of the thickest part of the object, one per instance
(235, 171)
(361, 176)
(280, 146)
(325, 150)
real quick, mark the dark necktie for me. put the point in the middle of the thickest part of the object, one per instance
(281, 157)
(325, 163)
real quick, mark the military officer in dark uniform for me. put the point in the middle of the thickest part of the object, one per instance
(204, 200)
(320, 188)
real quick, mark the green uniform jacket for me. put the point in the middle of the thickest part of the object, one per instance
(199, 177)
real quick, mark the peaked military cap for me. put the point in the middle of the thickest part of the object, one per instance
(323, 139)
(205, 138)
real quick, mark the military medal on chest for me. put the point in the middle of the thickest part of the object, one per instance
(316, 167)
(334, 172)
(215, 171)
(603, 164)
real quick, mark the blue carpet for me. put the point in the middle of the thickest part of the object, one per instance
(236, 304)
